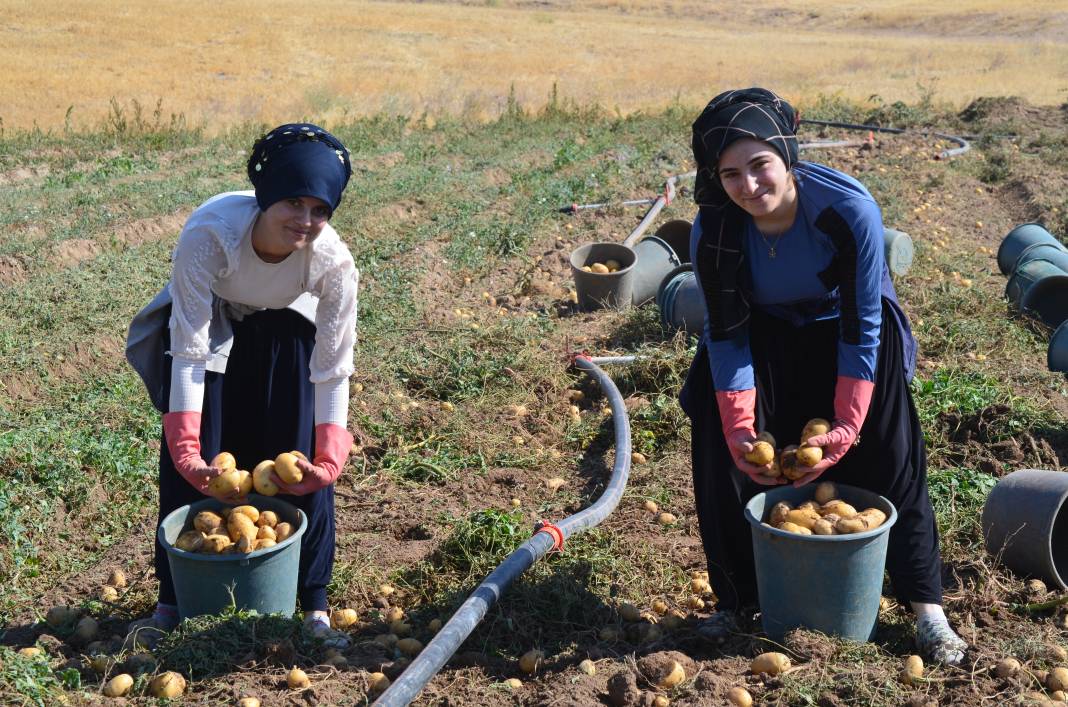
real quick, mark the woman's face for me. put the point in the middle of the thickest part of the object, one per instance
(755, 178)
(291, 224)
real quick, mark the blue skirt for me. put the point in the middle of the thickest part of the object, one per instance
(262, 406)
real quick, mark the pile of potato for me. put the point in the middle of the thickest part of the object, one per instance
(237, 529)
(238, 482)
(824, 514)
(603, 268)
(792, 461)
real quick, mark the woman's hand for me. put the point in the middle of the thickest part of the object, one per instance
(740, 443)
(852, 398)
(835, 444)
(332, 446)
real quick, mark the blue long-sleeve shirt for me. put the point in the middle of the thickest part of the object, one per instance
(835, 246)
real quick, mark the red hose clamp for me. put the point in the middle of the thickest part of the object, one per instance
(545, 526)
(576, 355)
(574, 208)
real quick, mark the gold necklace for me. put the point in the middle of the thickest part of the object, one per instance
(772, 252)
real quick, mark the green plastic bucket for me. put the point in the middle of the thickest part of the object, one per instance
(264, 580)
(827, 583)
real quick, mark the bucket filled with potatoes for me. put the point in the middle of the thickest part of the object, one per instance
(246, 553)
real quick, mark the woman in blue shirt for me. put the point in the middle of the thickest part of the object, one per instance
(802, 322)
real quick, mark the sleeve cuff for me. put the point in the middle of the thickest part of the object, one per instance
(332, 402)
(187, 385)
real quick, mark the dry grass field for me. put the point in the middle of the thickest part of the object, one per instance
(225, 62)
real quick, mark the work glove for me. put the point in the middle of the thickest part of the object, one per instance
(181, 430)
(737, 413)
(852, 398)
(332, 446)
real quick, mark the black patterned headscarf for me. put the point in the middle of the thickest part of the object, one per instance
(720, 262)
(299, 159)
(746, 113)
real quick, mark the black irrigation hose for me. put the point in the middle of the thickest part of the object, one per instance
(945, 154)
(546, 538)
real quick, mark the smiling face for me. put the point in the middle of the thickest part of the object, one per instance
(755, 178)
(289, 225)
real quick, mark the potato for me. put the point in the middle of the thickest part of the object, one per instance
(513, 683)
(599, 268)
(825, 492)
(190, 540)
(765, 436)
(529, 661)
(267, 518)
(823, 527)
(1007, 668)
(815, 426)
(740, 697)
(239, 526)
(695, 603)
(117, 579)
(809, 456)
(434, 626)
(297, 679)
(761, 455)
(206, 521)
(59, 615)
(118, 685)
(650, 506)
(912, 670)
(245, 544)
(806, 518)
(778, 513)
(629, 612)
(30, 652)
(1058, 679)
(666, 519)
(773, 471)
(395, 613)
(809, 505)
(244, 483)
(261, 478)
(1059, 696)
(227, 483)
(673, 620)
(875, 517)
(285, 466)
(248, 702)
(224, 461)
(838, 508)
(788, 463)
(108, 593)
(612, 265)
(661, 701)
(377, 682)
(85, 630)
(167, 685)
(672, 676)
(770, 663)
(215, 544)
(262, 543)
(343, 618)
(409, 647)
(846, 526)
(699, 585)
(251, 511)
(794, 528)
(587, 667)
(386, 640)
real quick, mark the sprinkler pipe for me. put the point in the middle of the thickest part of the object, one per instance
(962, 144)
(661, 201)
(575, 208)
(548, 537)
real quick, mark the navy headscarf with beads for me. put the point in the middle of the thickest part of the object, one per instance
(299, 159)
(732, 115)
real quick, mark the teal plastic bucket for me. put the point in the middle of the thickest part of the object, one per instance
(264, 580)
(1038, 273)
(1017, 241)
(676, 233)
(1055, 254)
(827, 583)
(1057, 353)
(680, 302)
(654, 258)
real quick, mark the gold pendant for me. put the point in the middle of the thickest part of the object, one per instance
(771, 252)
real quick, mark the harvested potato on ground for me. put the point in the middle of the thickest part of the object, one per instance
(671, 675)
(740, 697)
(912, 670)
(1007, 668)
(261, 478)
(770, 663)
(59, 615)
(666, 519)
(377, 682)
(285, 466)
(85, 630)
(825, 492)
(815, 426)
(761, 454)
(1058, 680)
(118, 685)
(409, 647)
(530, 661)
(167, 685)
(629, 612)
(343, 618)
(117, 579)
(297, 679)
(30, 651)
(809, 456)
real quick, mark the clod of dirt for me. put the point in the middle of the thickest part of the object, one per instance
(282, 653)
(810, 645)
(623, 689)
(661, 668)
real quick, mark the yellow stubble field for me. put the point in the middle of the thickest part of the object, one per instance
(225, 61)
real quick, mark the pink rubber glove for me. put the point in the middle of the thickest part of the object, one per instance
(852, 398)
(332, 446)
(182, 432)
(736, 411)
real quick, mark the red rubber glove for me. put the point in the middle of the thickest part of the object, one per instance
(736, 411)
(332, 446)
(852, 398)
(182, 432)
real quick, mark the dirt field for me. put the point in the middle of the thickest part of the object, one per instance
(466, 299)
(215, 64)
